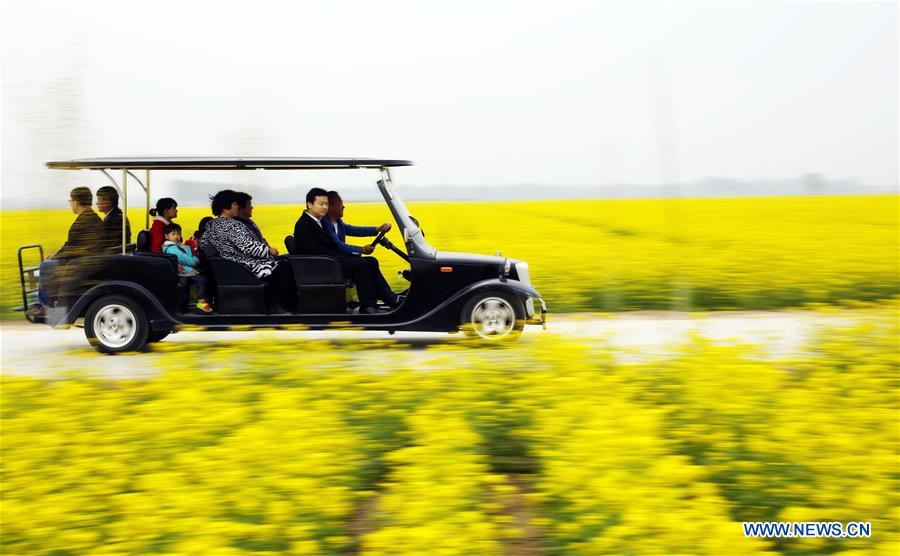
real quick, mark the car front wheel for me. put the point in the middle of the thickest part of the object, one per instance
(493, 316)
(116, 323)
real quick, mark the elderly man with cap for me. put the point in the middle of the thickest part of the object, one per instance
(85, 233)
(84, 238)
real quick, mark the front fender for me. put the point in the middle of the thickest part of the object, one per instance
(154, 309)
(514, 287)
(451, 305)
(508, 285)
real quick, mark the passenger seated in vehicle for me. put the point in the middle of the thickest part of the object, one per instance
(108, 204)
(166, 209)
(84, 238)
(188, 264)
(245, 213)
(339, 230)
(312, 239)
(194, 241)
(234, 241)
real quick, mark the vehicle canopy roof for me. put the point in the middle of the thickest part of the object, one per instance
(148, 163)
(223, 163)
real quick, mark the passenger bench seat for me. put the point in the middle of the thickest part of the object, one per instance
(320, 281)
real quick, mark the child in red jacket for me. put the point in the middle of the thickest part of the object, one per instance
(166, 209)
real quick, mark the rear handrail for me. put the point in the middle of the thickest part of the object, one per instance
(30, 271)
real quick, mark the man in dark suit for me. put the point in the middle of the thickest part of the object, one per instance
(108, 204)
(313, 239)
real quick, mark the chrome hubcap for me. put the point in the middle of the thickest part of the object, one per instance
(493, 317)
(114, 325)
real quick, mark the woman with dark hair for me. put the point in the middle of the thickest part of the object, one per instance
(234, 241)
(166, 209)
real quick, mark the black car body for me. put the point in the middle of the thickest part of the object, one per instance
(133, 297)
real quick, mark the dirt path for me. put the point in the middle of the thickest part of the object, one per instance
(41, 351)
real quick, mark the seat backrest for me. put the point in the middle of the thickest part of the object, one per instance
(291, 245)
(142, 248)
(225, 271)
(231, 273)
(142, 243)
(237, 289)
(316, 270)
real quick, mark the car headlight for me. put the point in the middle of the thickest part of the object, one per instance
(525, 278)
(522, 272)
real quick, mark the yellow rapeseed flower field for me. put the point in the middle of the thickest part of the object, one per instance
(611, 255)
(268, 447)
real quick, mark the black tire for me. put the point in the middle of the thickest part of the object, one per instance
(154, 337)
(493, 316)
(116, 323)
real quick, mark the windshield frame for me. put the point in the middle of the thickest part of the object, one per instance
(416, 246)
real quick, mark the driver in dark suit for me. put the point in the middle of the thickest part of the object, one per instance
(312, 239)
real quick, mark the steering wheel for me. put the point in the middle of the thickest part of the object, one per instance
(378, 238)
(413, 218)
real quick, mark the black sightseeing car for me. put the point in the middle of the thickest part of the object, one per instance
(131, 298)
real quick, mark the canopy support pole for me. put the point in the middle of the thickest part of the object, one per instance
(147, 211)
(146, 189)
(112, 181)
(124, 206)
(386, 174)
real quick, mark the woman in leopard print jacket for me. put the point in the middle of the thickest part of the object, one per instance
(234, 240)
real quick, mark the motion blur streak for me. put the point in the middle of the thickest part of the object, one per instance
(546, 446)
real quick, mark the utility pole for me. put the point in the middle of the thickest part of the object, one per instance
(664, 124)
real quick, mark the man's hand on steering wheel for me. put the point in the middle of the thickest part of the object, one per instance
(386, 227)
(378, 238)
(367, 249)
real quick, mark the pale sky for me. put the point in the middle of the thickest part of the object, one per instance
(476, 93)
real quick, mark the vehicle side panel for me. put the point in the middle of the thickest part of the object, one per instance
(433, 287)
(434, 301)
(155, 275)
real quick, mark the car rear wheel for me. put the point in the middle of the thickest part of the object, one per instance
(116, 323)
(493, 316)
